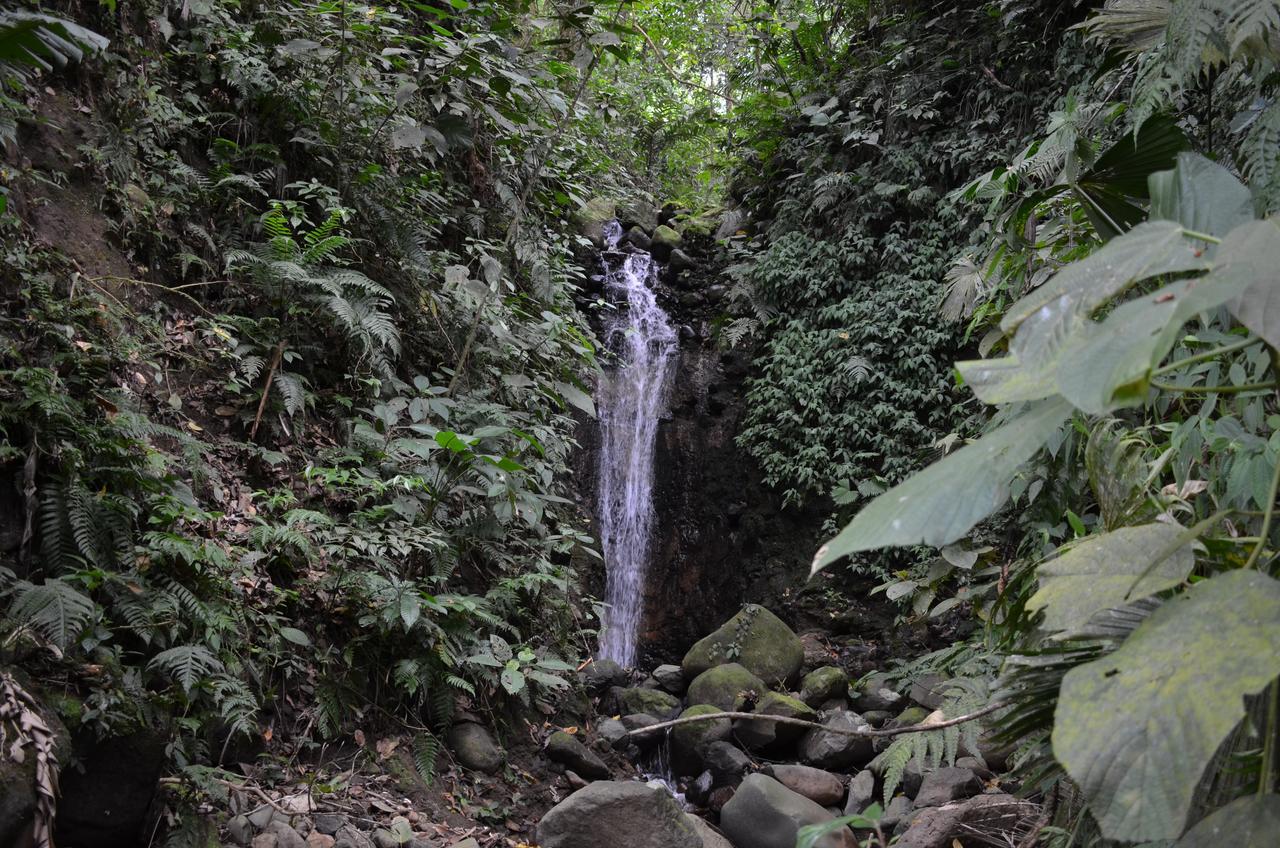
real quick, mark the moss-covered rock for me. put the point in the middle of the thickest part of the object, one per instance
(823, 684)
(756, 639)
(648, 701)
(689, 740)
(761, 735)
(727, 687)
(664, 241)
(591, 217)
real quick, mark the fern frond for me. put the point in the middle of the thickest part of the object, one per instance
(426, 748)
(186, 665)
(54, 609)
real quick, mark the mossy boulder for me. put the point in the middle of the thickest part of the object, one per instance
(689, 740)
(727, 687)
(823, 684)
(652, 702)
(663, 242)
(591, 217)
(757, 640)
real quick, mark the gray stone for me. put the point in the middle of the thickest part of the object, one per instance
(975, 765)
(681, 261)
(821, 787)
(602, 674)
(897, 810)
(728, 687)
(837, 750)
(711, 838)
(730, 223)
(912, 776)
(286, 837)
(473, 746)
(329, 823)
(761, 735)
(638, 213)
(383, 838)
(877, 718)
(652, 702)
(613, 812)
(670, 677)
(565, 749)
(823, 684)
(938, 827)
(614, 732)
(639, 721)
(862, 791)
(945, 785)
(765, 814)
(351, 838)
(875, 694)
(240, 829)
(727, 763)
(929, 690)
(638, 237)
(688, 740)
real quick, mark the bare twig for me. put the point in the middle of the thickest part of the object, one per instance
(266, 390)
(839, 731)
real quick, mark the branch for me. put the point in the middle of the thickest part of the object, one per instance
(839, 731)
(674, 74)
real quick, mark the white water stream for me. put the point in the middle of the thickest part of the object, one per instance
(632, 397)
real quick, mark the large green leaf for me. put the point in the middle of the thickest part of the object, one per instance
(1249, 822)
(1148, 250)
(1201, 195)
(1122, 172)
(944, 501)
(1136, 729)
(1110, 570)
(1259, 307)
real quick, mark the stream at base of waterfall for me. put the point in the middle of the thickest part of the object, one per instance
(632, 397)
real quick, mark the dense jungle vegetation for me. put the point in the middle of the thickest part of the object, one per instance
(296, 345)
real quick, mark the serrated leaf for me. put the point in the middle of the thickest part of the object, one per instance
(1249, 822)
(942, 503)
(1137, 728)
(1101, 572)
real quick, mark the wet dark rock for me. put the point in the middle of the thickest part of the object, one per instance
(475, 748)
(944, 785)
(837, 750)
(711, 838)
(899, 807)
(600, 675)
(665, 241)
(565, 749)
(727, 763)
(638, 238)
(765, 814)
(106, 803)
(821, 787)
(689, 740)
(720, 796)
(875, 694)
(601, 813)
(329, 823)
(670, 677)
(699, 789)
(638, 213)
(680, 261)
(614, 732)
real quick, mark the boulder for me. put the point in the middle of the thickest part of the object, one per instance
(639, 214)
(765, 814)
(731, 222)
(664, 241)
(728, 687)
(929, 690)
(680, 261)
(760, 642)
(638, 238)
(591, 217)
(938, 827)
(329, 823)
(565, 749)
(875, 695)
(760, 735)
(610, 812)
(670, 678)
(639, 721)
(285, 836)
(711, 838)
(726, 762)
(614, 732)
(816, 652)
(837, 750)
(823, 684)
(897, 810)
(474, 747)
(689, 740)
(821, 787)
(944, 785)
(348, 837)
(652, 702)
(862, 791)
(600, 675)
(908, 717)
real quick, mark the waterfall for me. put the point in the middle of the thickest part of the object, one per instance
(632, 397)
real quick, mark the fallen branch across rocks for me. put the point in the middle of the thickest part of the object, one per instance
(922, 727)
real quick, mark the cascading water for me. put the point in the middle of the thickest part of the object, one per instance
(632, 397)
